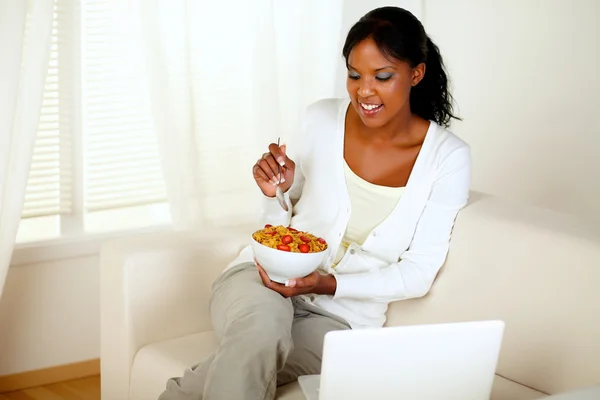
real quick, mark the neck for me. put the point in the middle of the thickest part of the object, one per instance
(397, 128)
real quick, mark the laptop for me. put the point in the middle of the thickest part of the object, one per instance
(423, 362)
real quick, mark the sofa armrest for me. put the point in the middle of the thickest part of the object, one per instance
(156, 287)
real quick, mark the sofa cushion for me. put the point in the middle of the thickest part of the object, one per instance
(504, 389)
(533, 269)
(155, 363)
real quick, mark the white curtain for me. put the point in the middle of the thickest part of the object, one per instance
(25, 35)
(227, 78)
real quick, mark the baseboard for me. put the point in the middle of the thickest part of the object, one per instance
(47, 376)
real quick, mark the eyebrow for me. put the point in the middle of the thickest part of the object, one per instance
(377, 70)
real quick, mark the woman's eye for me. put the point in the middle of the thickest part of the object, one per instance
(383, 77)
(353, 76)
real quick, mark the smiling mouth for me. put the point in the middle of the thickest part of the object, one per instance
(370, 108)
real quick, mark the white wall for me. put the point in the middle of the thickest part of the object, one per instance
(526, 79)
(50, 315)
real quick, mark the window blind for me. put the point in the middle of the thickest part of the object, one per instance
(96, 76)
(122, 160)
(49, 186)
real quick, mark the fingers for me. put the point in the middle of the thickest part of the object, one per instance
(289, 165)
(309, 281)
(269, 159)
(301, 283)
(282, 290)
(263, 275)
(277, 287)
(266, 168)
(274, 167)
(292, 287)
(260, 174)
(278, 154)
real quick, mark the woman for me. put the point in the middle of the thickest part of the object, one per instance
(380, 178)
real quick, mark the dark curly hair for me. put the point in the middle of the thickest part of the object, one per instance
(400, 35)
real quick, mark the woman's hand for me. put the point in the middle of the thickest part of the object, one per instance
(265, 170)
(313, 283)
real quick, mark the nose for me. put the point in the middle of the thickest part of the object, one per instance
(365, 89)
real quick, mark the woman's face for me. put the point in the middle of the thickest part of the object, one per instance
(379, 88)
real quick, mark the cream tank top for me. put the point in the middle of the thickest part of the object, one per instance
(371, 204)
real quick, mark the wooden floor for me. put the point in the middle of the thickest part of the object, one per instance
(79, 389)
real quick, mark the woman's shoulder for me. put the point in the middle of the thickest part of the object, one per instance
(445, 145)
(445, 141)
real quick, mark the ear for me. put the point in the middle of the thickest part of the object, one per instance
(418, 73)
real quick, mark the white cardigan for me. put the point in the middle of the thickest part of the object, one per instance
(402, 256)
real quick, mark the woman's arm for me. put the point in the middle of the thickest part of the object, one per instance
(271, 211)
(414, 274)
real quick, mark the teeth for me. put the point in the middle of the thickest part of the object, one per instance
(369, 106)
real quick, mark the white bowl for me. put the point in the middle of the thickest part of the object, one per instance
(283, 265)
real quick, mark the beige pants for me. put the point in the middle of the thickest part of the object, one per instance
(265, 340)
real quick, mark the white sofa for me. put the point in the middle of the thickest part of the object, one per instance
(537, 270)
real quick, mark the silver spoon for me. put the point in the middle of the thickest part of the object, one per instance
(278, 191)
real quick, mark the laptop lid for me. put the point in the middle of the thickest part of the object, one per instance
(438, 361)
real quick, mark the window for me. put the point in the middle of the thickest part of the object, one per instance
(96, 164)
